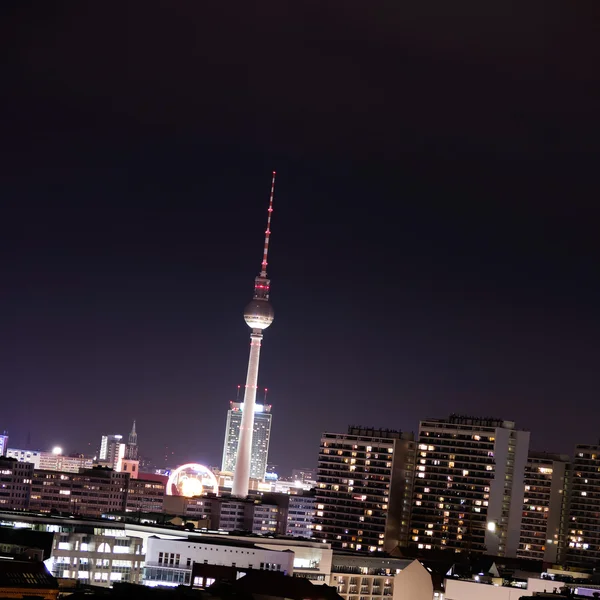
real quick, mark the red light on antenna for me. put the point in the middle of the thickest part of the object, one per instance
(274, 173)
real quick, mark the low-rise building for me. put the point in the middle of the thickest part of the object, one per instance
(365, 576)
(170, 562)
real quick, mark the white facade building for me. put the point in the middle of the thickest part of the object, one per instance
(51, 461)
(169, 562)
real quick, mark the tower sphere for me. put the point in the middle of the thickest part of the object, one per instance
(258, 314)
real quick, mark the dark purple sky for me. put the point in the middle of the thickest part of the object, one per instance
(435, 234)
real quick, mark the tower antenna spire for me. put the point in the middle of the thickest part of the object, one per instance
(263, 270)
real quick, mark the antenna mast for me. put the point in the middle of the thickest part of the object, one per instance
(263, 271)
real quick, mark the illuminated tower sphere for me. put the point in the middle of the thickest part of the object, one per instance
(258, 316)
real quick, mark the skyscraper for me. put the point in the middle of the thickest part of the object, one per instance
(258, 316)
(260, 438)
(111, 449)
(468, 492)
(364, 485)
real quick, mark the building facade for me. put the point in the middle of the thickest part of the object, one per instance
(364, 485)
(366, 577)
(582, 531)
(15, 483)
(544, 506)
(301, 515)
(51, 461)
(260, 439)
(145, 496)
(91, 492)
(469, 485)
(3, 444)
(97, 556)
(112, 449)
(169, 562)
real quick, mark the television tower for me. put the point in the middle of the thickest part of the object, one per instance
(258, 316)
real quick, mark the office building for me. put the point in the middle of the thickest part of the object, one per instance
(3, 444)
(544, 506)
(260, 439)
(112, 449)
(258, 315)
(15, 483)
(582, 531)
(469, 485)
(31, 456)
(52, 461)
(91, 492)
(145, 496)
(364, 485)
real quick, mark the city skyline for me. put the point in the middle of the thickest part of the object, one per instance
(436, 231)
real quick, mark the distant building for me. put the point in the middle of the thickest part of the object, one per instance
(30, 456)
(112, 449)
(51, 461)
(92, 492)
(3, 444)
(364, 486)
(304, 475)
(15, 484)
(260, 439)
(544, 507)
(145, 496)
(469, 485)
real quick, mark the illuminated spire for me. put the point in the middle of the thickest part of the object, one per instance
(263, 272)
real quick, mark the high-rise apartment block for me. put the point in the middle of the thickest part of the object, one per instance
(582, 527)
(260, 439)
(469, 484)
(112, 449)
(544, 507)
(364, 485)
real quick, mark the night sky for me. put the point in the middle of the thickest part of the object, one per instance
(434, 242)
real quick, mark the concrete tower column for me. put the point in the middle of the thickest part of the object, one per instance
(241, 477)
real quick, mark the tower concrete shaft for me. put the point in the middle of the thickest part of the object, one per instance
(258, 315)
(241, 476)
